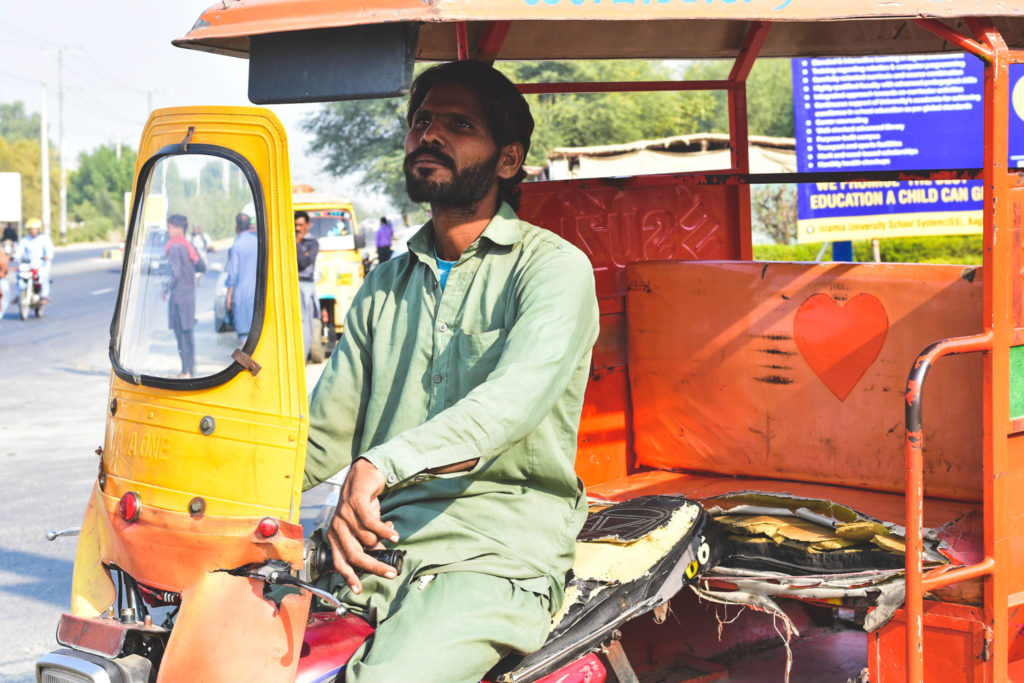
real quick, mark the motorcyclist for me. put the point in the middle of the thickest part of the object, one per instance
(37, 248)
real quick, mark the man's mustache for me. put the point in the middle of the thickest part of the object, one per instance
(439, 157)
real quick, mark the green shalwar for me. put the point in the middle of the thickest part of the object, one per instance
(493, 366)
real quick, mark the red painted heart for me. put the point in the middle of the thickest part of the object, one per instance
(840, 342)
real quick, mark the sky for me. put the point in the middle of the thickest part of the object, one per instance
(118, 63)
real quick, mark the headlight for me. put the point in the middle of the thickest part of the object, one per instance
(67, 667)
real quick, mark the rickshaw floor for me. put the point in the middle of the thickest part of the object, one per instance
(824, 657)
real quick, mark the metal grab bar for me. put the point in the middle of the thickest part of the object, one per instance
(938, 578)
(916, 583)
(987, 54)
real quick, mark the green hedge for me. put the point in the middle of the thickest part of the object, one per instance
(959, 249)
(98, 229)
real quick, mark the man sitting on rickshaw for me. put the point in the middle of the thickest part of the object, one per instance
(455, 396)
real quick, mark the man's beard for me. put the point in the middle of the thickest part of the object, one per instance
(465, 189)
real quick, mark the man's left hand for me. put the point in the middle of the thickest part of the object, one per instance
(357, 525)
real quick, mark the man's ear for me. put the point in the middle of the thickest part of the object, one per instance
(511, 160)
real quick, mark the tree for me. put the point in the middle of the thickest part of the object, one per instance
(96, 190)
(774, 211)
(15, 124)
(366, 137)
(582, 120)
(209, 191)
(23, 156)
(20, 153)
(769, 98)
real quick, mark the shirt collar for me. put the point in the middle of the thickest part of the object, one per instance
(503, 229)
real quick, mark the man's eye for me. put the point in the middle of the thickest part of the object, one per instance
(421, 120)
(464, 124)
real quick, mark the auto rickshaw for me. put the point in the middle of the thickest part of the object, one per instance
(742, 385)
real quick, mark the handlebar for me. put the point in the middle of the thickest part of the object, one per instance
(278, 573)
(319, 559)
(54, 535)
(318, 562)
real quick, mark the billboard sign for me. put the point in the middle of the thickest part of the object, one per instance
(893, 113)
(10, 197)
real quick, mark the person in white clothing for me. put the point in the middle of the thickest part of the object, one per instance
(37, 248)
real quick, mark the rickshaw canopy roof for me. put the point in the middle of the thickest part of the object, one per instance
(617, 29)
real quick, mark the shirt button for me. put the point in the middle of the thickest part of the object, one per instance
(437, 379)
(392, 478)
(443, 327)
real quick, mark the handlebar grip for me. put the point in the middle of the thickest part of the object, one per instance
(323, 561)
(393, 557)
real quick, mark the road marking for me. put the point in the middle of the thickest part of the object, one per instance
(105, 290)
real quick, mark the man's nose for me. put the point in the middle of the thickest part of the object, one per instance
(431, 134)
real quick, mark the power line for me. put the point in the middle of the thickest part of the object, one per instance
(19, 78)
(98, 108)
(88, 61)
(97, 68)
(32, 40)
(93, 86)
(86, 96)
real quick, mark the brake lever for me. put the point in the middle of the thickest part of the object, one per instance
(318, 561)
(278, 573)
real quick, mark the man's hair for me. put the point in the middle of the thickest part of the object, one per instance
(242, 222)
(300, 214)
(178, 221)
(507, 113)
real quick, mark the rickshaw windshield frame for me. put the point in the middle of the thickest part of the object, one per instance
(259, 308)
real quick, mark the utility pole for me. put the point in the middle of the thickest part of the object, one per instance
(63, 148)
(44, 147)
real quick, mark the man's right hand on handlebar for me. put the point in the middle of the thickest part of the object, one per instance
(357, 525)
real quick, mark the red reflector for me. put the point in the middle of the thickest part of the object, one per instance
(130, 506)
(267, 527)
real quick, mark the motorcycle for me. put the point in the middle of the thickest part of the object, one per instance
(127, 645)
(30, 290)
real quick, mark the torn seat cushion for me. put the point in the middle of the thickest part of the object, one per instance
(630, 558)
(954, 528)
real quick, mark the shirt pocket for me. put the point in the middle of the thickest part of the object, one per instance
(476, 356)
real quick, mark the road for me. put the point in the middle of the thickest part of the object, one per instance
(54, 377)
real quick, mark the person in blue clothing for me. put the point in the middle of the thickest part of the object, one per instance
(241, 280)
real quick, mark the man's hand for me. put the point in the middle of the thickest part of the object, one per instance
(356, 525)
